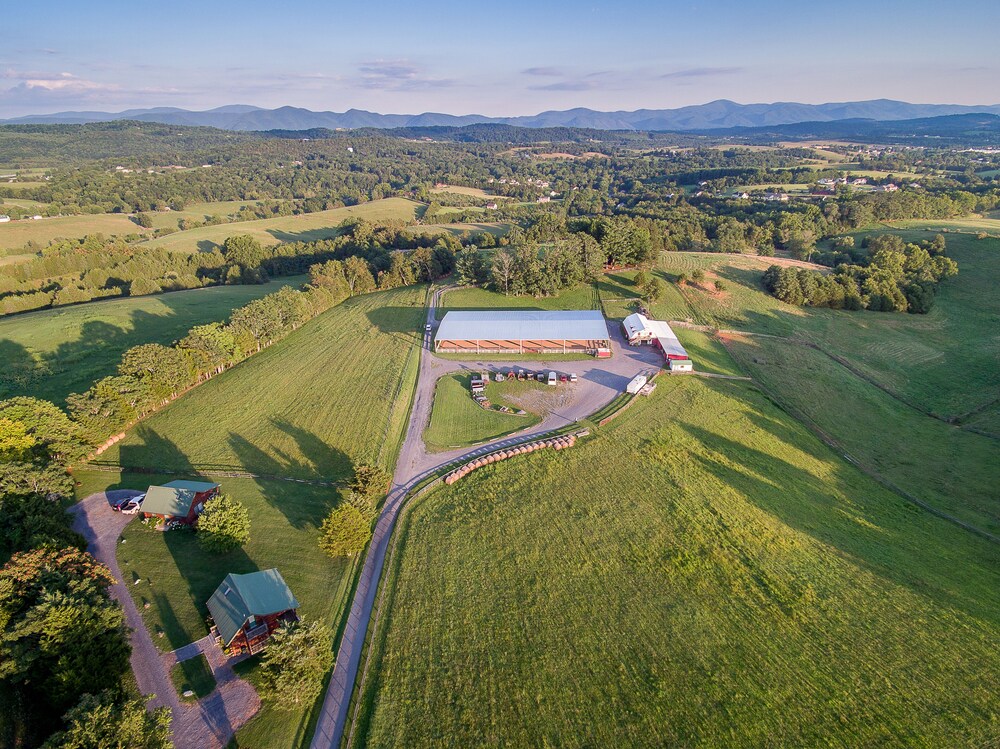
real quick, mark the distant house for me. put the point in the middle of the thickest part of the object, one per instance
(776, 196)
(4, 219)
(859, 181)
(178, 500)
(887, 188)
(246, 609)
(491, 206)
(544, 199)
(36, 217)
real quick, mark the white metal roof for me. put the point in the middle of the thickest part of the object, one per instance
(523, 325)
(658, 329)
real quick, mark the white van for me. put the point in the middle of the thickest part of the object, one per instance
(552, 378)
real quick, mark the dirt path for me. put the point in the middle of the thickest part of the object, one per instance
(600, 381)
(209, 722)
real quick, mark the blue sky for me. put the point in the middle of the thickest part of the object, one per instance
(499, 58)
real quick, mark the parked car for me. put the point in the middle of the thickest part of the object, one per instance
(117, 506)
(540, 377)
(133, 506)
(552, 379)
(427, 327)
(573, 377)
(563, 378)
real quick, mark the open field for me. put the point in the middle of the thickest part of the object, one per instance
(458, 421)
(333, 394)
(21, 202)
(702, 572)
(474, 298)
(497, 230)
(952, 469)
(306, 227)
(475, 192)
(197, 212)
(912, 355)
(18, 233)
(52, 353)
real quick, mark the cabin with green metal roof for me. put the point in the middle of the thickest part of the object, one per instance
(179, 500)
(246, 609)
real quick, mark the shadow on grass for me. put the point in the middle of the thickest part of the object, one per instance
(201, 571)
(868, 525)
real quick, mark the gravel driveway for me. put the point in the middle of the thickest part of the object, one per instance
(211, 721)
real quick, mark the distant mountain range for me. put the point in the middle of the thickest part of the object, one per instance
(721, 114)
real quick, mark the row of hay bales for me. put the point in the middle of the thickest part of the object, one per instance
(556, 443)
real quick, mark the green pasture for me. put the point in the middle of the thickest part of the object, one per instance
(52, 353)
(306, 227)
(701, 572)
(475, 298)
(331, 395)
(950, 468)
(458, 421)
(18, 233)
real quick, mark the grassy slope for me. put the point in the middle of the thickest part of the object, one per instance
(456, 419)
(304, 227)
(703, 573)
(915, 356)
(52, 353)
(18, 233)
(950, 468)
(310, 406)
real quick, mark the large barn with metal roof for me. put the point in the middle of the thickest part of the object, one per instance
(524, 331)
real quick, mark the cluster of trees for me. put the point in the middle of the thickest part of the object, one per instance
(224, 525)
(891, 276)
(346, 530)
(64, 650)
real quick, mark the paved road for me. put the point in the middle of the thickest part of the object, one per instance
(600, 381)
(211, 721)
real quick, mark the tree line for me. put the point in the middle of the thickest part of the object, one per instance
(888, 275)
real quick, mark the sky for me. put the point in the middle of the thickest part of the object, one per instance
(491, 58)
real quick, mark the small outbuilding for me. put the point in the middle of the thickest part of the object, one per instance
(246, 609)
(639, 329)
(182, 501)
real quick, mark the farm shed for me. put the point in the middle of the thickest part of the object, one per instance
(246, 609)
(178, 500)
(640, 329)
(518, 332)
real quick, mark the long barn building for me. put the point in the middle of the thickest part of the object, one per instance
(527, 331)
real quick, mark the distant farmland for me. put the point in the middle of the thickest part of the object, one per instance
(52, 353)
(18, 233)
(305, 227)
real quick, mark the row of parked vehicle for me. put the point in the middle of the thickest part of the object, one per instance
(550, 377)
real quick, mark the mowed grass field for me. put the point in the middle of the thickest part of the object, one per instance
(16, 234)
(306, 227)
(917, 357)
(474, 298)
(198, 212)
(702, 572)
(333, 394)
(953, 469)
(52, 353)
(457, 420)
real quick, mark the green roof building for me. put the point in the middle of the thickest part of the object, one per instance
(247, 608)
(178, 500)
